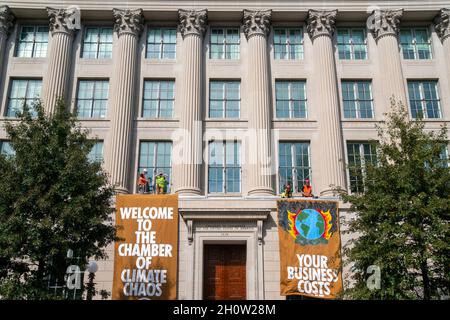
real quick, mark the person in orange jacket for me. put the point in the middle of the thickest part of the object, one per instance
(307, 189)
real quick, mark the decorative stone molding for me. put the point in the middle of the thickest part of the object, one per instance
(192, 22)
(442, 24)
(384, 22)
(64, 20)
(256, 22)
(128, 21)
(6, 20)
(321, 23)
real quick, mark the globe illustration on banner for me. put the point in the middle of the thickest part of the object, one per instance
(310, 224)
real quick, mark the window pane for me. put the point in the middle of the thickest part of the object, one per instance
(92, 98)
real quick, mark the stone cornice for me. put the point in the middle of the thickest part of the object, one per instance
(128, 21)
(321, 23)
(6, 20)
(64, 20)
(256, 22)
(442, 24)
(192, 22)
(384, 22)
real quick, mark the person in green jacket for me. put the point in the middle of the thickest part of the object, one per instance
(160, 181)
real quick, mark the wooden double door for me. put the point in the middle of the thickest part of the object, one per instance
(224, 270)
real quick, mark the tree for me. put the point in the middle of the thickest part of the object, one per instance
(401, 219)
(52, 199)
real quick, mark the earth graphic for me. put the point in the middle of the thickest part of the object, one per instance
(310, 224)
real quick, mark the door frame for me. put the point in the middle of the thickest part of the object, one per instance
(252, 259)
(227, 243)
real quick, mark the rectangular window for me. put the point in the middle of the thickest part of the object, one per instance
(158, 99)
(357, 98)
(156, 157)
(290, 99)
(161, 43)
(351, 43)
(23, 92)
(92, 98)
(415, 43)
(6, 148)
(96, 153)
(224, 99)
(33, 42)
(359, 155)
(288, 43)
(424, 99)
(97, 43)
(294, 164)
(224, 43)
(224, 167)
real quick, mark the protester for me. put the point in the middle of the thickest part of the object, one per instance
(307, 189)
(143, 182)
(161, 183)
(287, 191)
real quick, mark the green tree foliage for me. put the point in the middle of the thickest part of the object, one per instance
(402, 218)
(52, 198)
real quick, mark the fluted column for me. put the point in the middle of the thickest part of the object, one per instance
(128, 25)
(187, 167)
(256, 28)
(6, 24)
(331, 168)
(63, 25)
(384, 25)
(442, 26)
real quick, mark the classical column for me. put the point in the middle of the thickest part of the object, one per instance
(442, 26)
(256, 28)
(384, 25)
(187, 166)
(6, 24)
(128, 24)
(63, 25)
(331, 167)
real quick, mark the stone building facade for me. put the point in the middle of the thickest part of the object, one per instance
(231, 100)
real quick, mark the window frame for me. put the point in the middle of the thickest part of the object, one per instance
(290, 99)
(224, 99)
(154, 164)
(93, 99)
(422, 99)
(296, 189)
(224, 43)
(99, 27)
(225, 166)
(288, 43)
(356, 99)
(414, 43)
(158, 99)
(162, 43)
(93, 157)
(35, 26)
(352, 43)
(362, 160)
(25, 100)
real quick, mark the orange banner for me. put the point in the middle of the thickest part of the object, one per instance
(310, 246)
(145, 262)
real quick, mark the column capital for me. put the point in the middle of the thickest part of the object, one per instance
(384, 22)
(256, 22)
(6, 20)
(64, 20)
(442, 24)
(128, 21)
(192, 22)
(321, 23)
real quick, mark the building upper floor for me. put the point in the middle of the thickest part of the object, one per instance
(359, 66)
